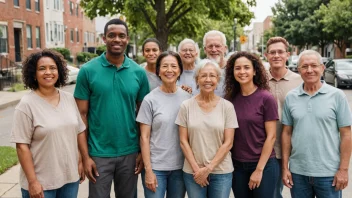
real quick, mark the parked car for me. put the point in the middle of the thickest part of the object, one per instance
(338, 72)
(72, 74)
(228, 55)
(292, 63)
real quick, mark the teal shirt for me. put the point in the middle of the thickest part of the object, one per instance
(316, 121)
(112, 94)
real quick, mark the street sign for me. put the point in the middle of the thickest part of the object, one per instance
(243, 39)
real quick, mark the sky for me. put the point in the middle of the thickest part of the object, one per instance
(263, 9)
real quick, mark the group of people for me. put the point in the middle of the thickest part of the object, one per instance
(201, 127)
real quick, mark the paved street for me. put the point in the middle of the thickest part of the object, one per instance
(9, 187)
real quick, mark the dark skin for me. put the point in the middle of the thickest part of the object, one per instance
(116, 40)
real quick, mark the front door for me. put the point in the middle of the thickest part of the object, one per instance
(17, 34)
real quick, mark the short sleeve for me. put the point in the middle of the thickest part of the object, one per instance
(145, 114)
(343, 113)
(181, 118)
(270, 109)
(82, 90)
(22, 128)
(144, 86)
(230, 116)
(81, 125)
(286, 114)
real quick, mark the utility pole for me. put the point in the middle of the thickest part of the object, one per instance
(234, 34)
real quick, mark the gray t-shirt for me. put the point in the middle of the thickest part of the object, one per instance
(159, 110)
(153, 79)
(219, 91)
(187, 78)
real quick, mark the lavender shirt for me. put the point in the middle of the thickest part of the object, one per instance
(252, 113)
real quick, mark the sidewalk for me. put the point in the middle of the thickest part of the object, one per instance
(10, 98)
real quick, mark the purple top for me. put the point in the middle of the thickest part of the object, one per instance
(252, 113)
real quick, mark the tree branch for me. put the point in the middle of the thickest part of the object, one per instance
(172, 8)
(152, 3)
(178, 9)
(149, 21)
(178, 17)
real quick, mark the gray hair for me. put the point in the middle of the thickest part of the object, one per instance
(309, 52)
(187, 40)
(214, 33)
(202, 64)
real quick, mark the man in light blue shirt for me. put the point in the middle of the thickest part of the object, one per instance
(316, 137)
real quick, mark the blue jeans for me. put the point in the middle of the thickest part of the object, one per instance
(219, 186)
(169, 182)
(321, 187)
(69, 190)
(243, 172)
(279, 184)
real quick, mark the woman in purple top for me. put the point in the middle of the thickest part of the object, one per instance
(246, 86)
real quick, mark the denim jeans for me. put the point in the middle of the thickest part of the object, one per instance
(219, 186)
(308, 187)
(279, 184)
(69, 190)
(243, 172)
(169, 182)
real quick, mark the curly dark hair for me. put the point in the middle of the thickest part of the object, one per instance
(232, 87)
(29, 69)
(165, 54)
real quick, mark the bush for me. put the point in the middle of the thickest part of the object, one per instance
(349, 56)
(140, 59)
(83, 57)
(100, 49)
(17, 87)
(8, 158)
(65, 52)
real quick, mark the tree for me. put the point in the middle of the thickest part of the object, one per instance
(336, 19)
(168, 19)
(295, 20)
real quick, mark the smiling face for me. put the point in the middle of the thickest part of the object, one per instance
(188, 53)
(277, 55)
(244, 71)
(169, 70)
(116, 39)
(215, 49)
(47, 73)
(151, 52)
(310, 69)
(207, 79)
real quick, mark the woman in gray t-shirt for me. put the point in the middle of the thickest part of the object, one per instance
(160, 144)
(151, 50)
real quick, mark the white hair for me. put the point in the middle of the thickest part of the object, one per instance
(214, 33)
(202, 64)
(187, 40)
(309, 52)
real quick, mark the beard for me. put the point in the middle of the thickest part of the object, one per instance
(217, 59)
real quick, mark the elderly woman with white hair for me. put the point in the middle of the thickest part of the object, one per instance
(207, 125)
(189, 52)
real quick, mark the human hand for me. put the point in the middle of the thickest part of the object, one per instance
(187, 88)
(81, 174)
(201, 176)
(150, 180)
(340, 180)
(90, 169)
(287, 178)
(139, 164)
(255, 179)
(35, 189)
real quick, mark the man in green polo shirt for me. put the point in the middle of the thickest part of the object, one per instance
(109, 90)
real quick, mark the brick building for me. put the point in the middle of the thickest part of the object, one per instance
(21, 28)
(89, 35)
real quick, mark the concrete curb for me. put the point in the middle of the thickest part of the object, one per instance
(9, 104)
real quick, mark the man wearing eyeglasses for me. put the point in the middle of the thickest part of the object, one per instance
(215, 47)
(316, 136)
(281, 81)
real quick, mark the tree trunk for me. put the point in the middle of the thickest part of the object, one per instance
(162, 30)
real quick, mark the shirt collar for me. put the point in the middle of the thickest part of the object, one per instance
(287, 76)
(106, 63)
(323, 89)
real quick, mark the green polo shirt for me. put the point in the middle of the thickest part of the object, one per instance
(112, 94)
(316, 120)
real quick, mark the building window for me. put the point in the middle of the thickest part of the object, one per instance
(71, 8)
(37, 37)
(55, 32)
(16, 3)
(28, 4)
(76, 9)
(37, 5)
(47, 31)
(71, 35)
(3, 39)
(57, 4)
(47, 3)
(77, 38)
(29, 36)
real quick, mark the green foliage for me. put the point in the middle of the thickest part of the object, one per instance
(140, 59)
(100, 49)
(17, 87)
(65, 52)
(83, 57)
(172, 20)
(349, 56)
(8, 158)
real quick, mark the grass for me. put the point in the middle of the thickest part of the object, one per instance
(8, 158)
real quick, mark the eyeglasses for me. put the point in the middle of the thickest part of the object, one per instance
(306, 67)
(212, 46)
(279, 52)
(187, 50)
